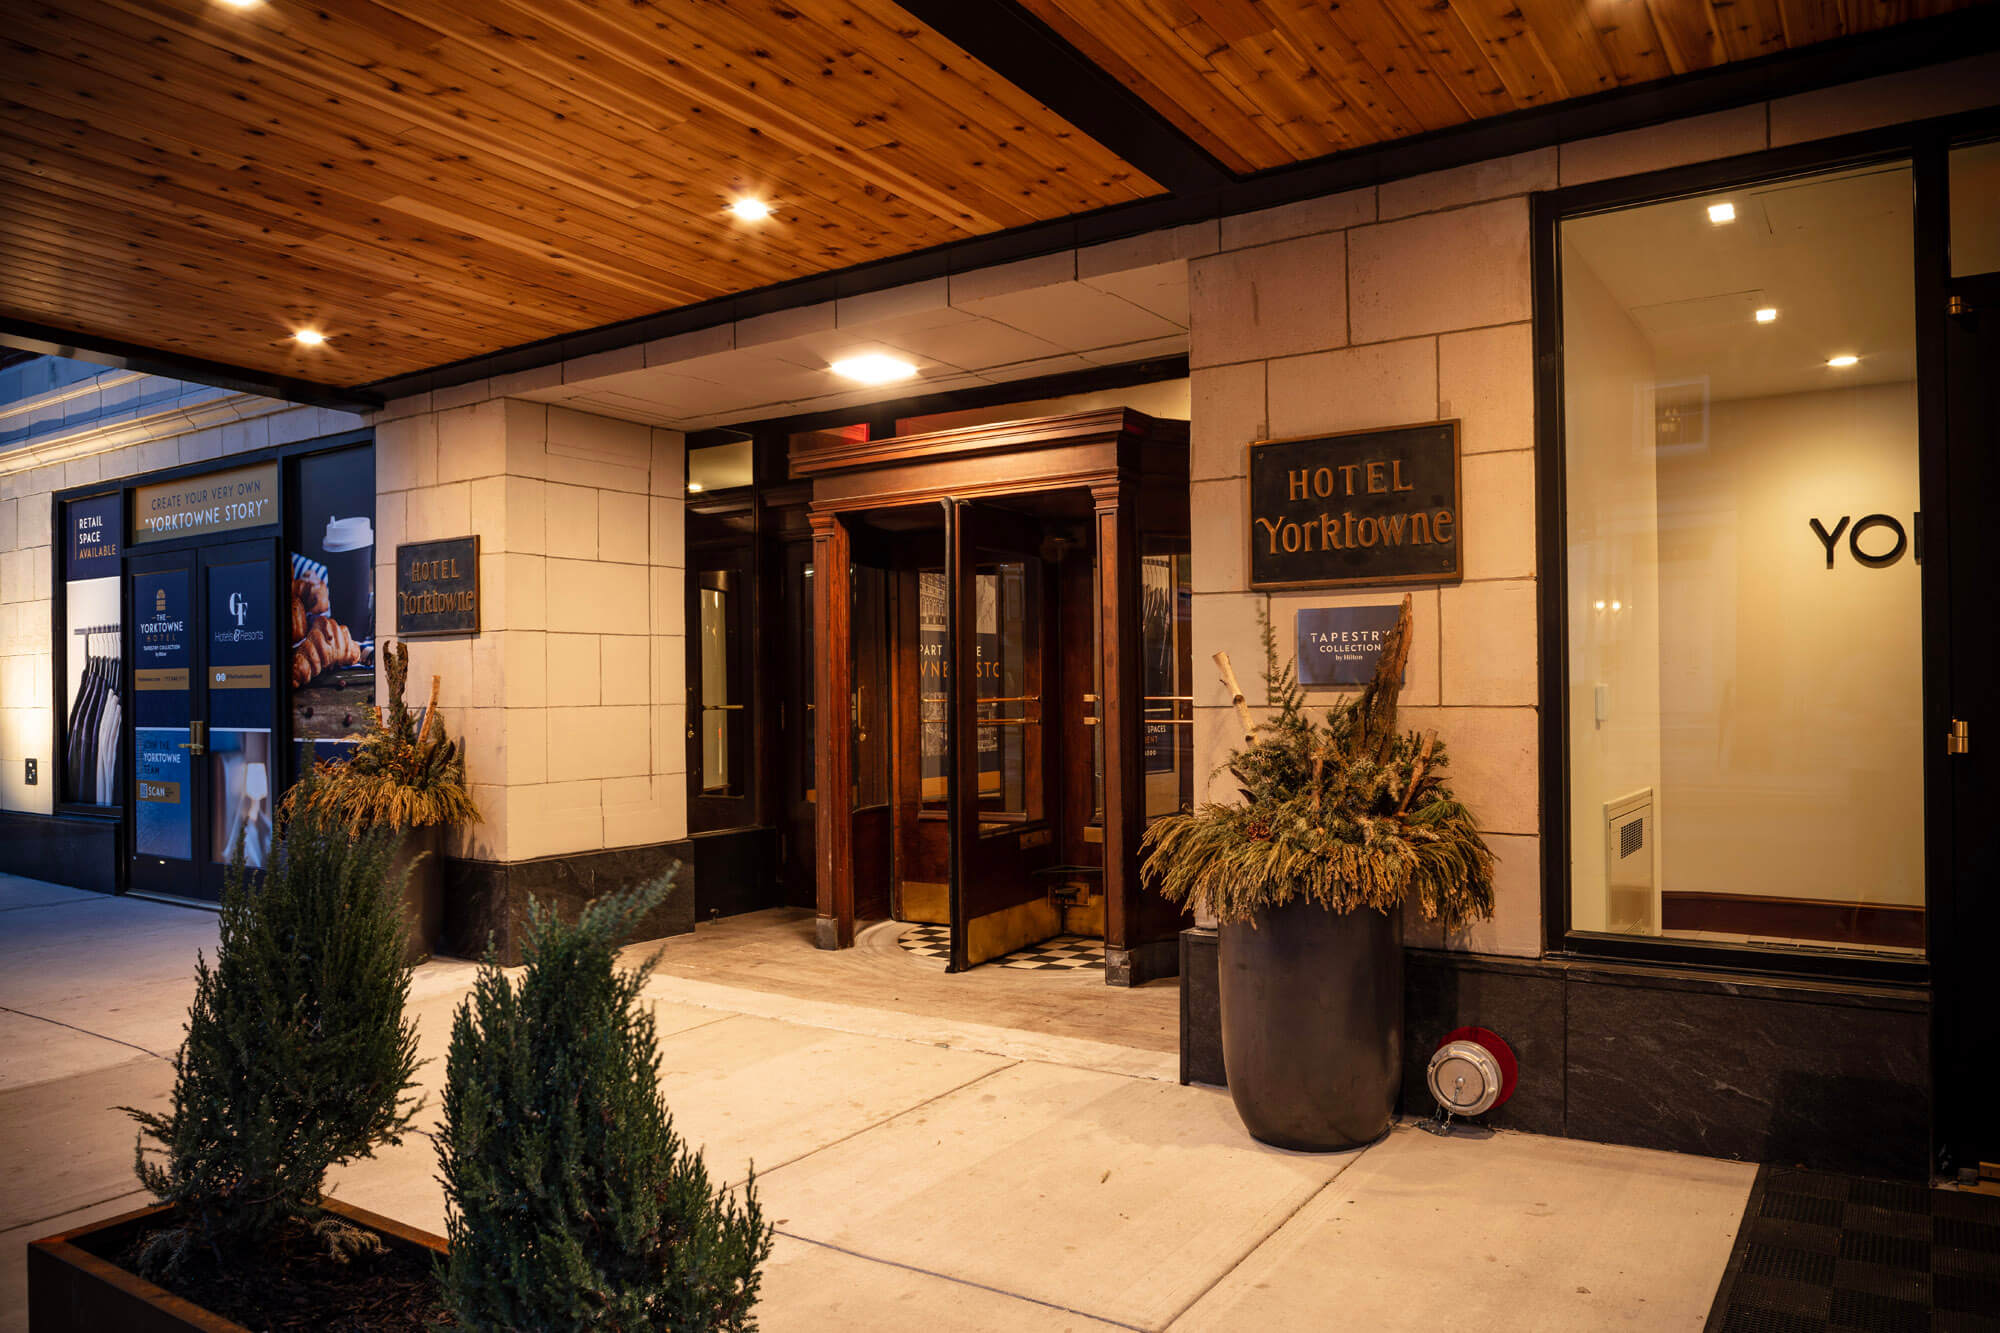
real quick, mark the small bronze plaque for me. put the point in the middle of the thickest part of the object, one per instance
(160, 678)
(1365, 507)
(437, 587)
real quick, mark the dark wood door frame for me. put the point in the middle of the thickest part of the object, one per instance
(1132, 471)
(1968, 1086)
(833, 747)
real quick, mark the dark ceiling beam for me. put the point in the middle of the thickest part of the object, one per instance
(1029, 54)
(40, 340)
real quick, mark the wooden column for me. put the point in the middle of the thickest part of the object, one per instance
(1119, 633)
(833, 733)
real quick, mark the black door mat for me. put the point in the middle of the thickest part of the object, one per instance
(1819, 1251)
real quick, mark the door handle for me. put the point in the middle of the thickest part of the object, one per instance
(198, 731)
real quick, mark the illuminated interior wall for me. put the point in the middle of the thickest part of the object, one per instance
(1614, 574)
(1791, 694)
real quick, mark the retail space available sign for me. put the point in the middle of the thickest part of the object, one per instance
(96, 526)
(1339, 645)
(1364, 507)
(437, 587)
(245, 497)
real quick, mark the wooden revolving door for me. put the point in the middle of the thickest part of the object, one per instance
(982, 626)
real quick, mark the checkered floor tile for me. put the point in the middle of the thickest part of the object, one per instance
(1065, 953)
(1819, 1251)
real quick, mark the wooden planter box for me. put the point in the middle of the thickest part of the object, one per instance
(71, 1290)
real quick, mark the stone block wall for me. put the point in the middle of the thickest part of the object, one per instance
(571, 698)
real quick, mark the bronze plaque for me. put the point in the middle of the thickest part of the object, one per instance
(1360, 508)
(160, 678)
(437, 587)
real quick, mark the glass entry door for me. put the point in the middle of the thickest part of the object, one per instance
(204, 649)
(1001, 836)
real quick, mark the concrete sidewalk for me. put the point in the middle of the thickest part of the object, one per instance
(936, 1176)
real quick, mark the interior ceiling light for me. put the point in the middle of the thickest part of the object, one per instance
(1767, 315)
(750, 210)
(1721, 213)
(308, 337)
(694, 485)
(874, 368)
(1843, 361)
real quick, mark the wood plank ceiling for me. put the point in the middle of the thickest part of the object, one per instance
(425, 182)
(1267, 83)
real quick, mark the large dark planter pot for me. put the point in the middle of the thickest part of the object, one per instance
(1312, 1025)
(72, 1290)
(422, 850)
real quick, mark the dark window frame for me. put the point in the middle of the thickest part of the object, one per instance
(1925, 144)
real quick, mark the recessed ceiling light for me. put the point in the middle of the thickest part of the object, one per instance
(750, 210)
(874, 368)
(1767, 315)
(1843, 361)
(694, 486)
(308, 337)
(1721, 213)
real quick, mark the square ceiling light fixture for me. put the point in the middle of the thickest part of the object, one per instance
(1721, 213)
(873, 368)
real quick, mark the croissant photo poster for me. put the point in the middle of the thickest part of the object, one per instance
(331, 610)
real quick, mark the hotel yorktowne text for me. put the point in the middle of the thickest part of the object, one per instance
(1367, 507)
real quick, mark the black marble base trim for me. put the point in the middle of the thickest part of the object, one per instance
(733, 873)
(79, 851)
(486, 902)
(1142, 963)
(1201, 1007)
(1786, 1071)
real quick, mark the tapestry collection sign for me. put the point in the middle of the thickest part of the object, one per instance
(1364, 507)
(437, 587)
(244, 497)
(1339, 645)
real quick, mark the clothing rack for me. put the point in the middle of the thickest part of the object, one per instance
(97, 629)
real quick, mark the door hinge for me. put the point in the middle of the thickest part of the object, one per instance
(1959, 741)
(1957, 305)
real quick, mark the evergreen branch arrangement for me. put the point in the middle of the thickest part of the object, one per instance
(405, 774)
(1346, 812)
(297, 1057)
(572, 1203)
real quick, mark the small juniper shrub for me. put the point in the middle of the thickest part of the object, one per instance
(571, 1202)
(298, 1057)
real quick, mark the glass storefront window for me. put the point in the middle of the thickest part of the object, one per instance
(870, 603)
(933, 642)
(1166, 579)
(721, 467)
(93, 691)
(721, 731)
(1744, 616)
(1009, 693)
